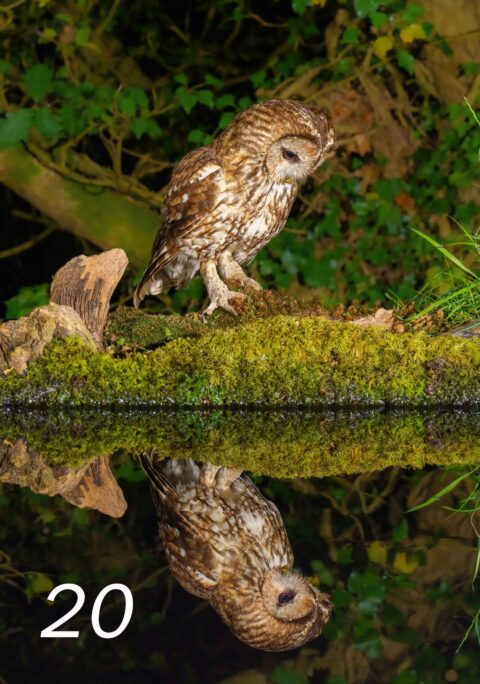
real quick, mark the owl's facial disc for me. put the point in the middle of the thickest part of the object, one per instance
(293, 158)
(288, 596)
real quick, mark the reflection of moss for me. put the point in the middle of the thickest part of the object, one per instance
(282, 444)
(264, 362)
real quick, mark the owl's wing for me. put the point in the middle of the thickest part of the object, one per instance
(194, 191)
(191, 557)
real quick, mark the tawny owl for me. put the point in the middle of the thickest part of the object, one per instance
(226, 543)
(226, 201)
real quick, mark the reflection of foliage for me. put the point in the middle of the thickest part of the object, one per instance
(107, 94)
(305, 444)
(398, 609)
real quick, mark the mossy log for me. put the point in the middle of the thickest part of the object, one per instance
(264, 362)
(272, 355)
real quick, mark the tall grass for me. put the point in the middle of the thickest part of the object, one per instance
(460, 299)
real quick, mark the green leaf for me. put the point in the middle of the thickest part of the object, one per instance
(27, 299)
(82, 36)
(226, 119)
(127, 105)
(38, 81)
(351, 35)
(379, 19)
(406, 61)
(400, 533)
(182, 79)
(322, 572)
(205, 97)
(139, 127)
(48, 124)
(281, 675)
(365, 7)
(5, 67)
(186, 98)
(38, 583)
(412, 13)
(225, 101)
(15, 128)
(138, 96)
(299, 6)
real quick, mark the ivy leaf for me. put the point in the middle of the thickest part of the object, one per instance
(365, 7)
(27, 299)
(139, 127)
(47, 123)
(205, 97)
(413, 32)
(82, 36)
(138, 96)
(351, 35)
(38, 81)
(127, 105)
(400, 533)
(38, 583)
(186, 99)
(381, 46)
(225, 101)
(15, 128)
(299, 6)
(281, 675)
(406, 61)
(379, 19)
(225, 119)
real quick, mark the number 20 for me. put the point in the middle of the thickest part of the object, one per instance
(50, 631)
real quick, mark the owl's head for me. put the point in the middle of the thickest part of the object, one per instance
(300, 607)
(294, 157)
(286, 613)
(284, 138)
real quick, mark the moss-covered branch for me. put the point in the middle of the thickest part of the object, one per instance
(277, 361)
(105, 217)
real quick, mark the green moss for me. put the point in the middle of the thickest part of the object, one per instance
(276, 443)
(277, 361)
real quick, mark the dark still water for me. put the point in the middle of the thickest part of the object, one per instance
(256, 548)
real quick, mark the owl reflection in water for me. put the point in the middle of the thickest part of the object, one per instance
(227, 200)
(226, 543)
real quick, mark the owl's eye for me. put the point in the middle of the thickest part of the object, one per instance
(286, 597)
(289, 155)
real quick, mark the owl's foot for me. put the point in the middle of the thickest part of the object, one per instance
(219, 294)
(222, 301)
(230, 270)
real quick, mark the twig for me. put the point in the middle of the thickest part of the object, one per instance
(18, 249)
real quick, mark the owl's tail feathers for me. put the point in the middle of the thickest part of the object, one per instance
(153, 468)
(166, 474)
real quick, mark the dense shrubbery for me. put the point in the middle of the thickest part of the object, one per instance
(112, 94)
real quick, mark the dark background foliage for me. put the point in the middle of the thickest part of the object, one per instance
(112, 94)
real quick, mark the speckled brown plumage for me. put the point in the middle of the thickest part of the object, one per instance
(226, 543)
(227, 200)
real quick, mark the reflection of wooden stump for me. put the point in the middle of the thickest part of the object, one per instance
(80, 298)
(91, 485)
(87, 284)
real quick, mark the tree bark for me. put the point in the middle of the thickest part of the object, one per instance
(106, 218)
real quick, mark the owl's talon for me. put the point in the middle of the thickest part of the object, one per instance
(222, 301)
